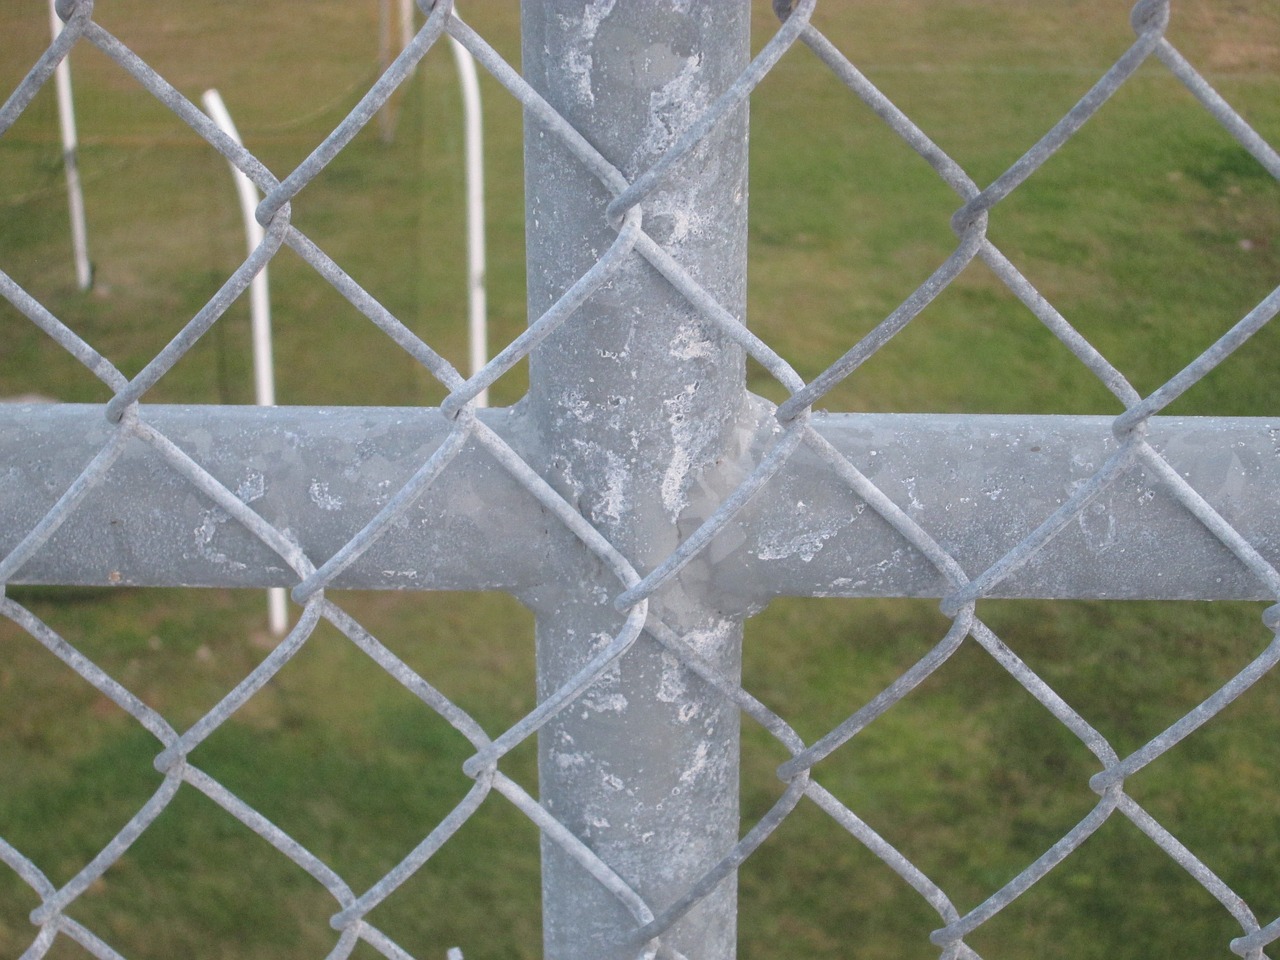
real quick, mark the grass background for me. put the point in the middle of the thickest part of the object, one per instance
(1151, 231)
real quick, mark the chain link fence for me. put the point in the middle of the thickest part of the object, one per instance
(638, 500)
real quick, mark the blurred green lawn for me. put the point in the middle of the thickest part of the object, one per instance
(1152, 232)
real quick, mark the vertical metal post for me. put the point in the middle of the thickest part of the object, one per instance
(634, 398)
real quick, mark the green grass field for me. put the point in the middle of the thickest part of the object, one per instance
(1152, 232)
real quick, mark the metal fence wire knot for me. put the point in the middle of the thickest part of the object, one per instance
(632, 498)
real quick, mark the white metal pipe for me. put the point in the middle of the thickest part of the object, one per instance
(260, 312)
(386, 116)
(386, 29)
(406, 23)
(259, 298)
(75, 193)
(473, 149)
(473, 162)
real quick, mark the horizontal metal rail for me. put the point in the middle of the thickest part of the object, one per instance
(978, 484)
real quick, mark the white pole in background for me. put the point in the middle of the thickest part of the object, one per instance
(406, 23)
(75, 194)
(260, 315)
(474, 160)
(386, 117)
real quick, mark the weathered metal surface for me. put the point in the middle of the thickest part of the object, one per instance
(317, 474)
(636, 396)
(978, 484)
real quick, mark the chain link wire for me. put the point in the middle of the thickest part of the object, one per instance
(128, 414)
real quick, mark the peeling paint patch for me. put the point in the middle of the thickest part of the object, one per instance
(609, 703)
(671, 686)
(408, 575)
(673, 482)
(568, 761)
(210, 521)
(578, 406)
(783, 544)
(694, 770)
(599, 640)
(910, 484)
(614, 503)
(711, 642)
(253, 487)
(691, 343)
(840, 587)
(320, 496)
(578, 63)
(673, 107)
(686, 434)
(604, 696)
(1098, 524)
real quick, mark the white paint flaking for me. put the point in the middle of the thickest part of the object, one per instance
(608, 703)
(671, 687)
(578, 63)
(253, 487)
(910, 484)
(568, 761)
(694, 770)
(579, 407)
(783, 544)
(599, 640)
(615, 501)
(840, 587)
(603, 696)
(673, 107)
(1098, 524)
(686, 433)
(210, 521)
(676, 213)
(322, 498)
(691, 343)
(710, 642)
(410, 575)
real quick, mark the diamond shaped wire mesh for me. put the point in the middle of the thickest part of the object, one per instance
(634, 587)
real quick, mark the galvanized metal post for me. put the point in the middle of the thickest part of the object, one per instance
(634, 399)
